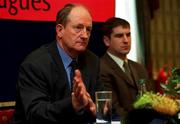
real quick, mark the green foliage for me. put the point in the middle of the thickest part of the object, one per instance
(159, 102)
(144, 101)
(172, 85)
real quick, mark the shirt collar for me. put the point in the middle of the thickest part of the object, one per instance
(66, 59)
(119, 61)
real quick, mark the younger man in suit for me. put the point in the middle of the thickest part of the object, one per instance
(117, 72)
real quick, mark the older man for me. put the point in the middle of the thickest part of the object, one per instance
(46, 93)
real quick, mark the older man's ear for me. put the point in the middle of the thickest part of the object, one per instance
(59, 30)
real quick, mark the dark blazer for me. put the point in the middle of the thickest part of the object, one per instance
(43, 93)
(124, 92)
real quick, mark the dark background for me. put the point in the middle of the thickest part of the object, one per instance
(19, 38)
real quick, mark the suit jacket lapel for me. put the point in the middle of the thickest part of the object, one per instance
(118, 70)
(81, 62)
(134, 72)
(53, 52)
(83, 69)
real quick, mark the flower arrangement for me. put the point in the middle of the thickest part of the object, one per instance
(153, 105)
(160, 103)
(172, 85)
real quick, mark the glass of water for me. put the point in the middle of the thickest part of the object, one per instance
(103, 107)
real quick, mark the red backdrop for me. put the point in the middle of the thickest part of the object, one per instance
(45, 10)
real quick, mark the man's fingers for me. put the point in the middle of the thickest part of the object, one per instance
(92, 107)
(77, 73)
(78, 82)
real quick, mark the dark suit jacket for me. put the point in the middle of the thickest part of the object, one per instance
(43, 93)
(124, 92)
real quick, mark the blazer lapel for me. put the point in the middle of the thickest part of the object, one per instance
(134, 72)
(54, 54)
(118, 70)
(84, 71)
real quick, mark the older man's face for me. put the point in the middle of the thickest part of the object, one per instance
(76, 33)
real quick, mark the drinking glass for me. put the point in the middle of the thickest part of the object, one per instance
(103, 107)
